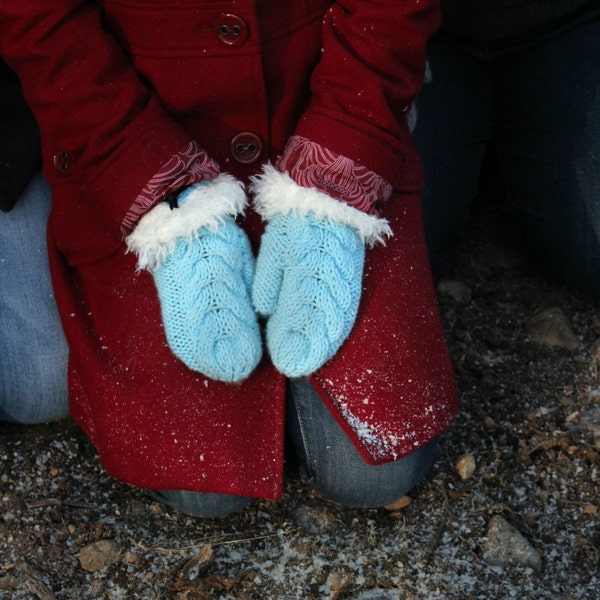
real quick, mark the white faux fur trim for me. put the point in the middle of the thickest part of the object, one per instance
(206, 205)
(277, 193)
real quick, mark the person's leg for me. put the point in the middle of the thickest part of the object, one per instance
(453, 125)
(548, 140)
(334, 467)
(33, 350)
(202, 504)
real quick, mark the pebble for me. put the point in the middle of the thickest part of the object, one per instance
(551, 327)
(402, 502)
(506, 547)
(465, 466)
(98, 555)
(458, 291)
(312, 519)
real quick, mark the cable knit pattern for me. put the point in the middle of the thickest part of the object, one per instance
(311, 165)
(308, 282)
(203, 267)
(204, 292)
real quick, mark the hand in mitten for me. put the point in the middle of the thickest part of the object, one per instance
(203, 266)
(308, 282)
(309, 269)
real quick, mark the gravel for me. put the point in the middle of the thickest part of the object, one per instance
(510, 509)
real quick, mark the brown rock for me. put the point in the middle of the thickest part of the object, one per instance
(465, 466)
(399, 504)
(506, 547)
(550, 327)
(98, 555)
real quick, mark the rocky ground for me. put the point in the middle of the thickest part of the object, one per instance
(510, 510)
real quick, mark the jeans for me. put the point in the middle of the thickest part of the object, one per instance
(540, 103)
(329, 461)
(33, 350)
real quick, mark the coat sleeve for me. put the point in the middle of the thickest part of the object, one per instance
(371, 69)
(94, 112)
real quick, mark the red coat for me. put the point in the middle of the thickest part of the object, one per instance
(118, 87)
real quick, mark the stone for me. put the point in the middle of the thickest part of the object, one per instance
(313, 519)
(465, 466)
(551, 327)
(506, 547)
(98, 555)
(402, 502)
(458, 291)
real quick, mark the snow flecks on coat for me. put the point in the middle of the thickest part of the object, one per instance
(376, 439)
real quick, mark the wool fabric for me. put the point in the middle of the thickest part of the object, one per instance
(204, 292)
(308, 283)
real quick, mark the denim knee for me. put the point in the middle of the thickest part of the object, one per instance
(348, 480)
(33, 367)
(202, 504)
(41, 395)
(332, 464)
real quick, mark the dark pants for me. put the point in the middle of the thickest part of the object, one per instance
(540, 103)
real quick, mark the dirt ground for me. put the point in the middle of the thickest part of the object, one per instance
(524, 448)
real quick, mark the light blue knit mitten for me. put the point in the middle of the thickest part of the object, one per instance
(308, 283)
(203, 289)
(203, 279)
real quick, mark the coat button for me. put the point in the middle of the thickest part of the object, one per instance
(231, 30)
(246, 148)
(62, 162)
